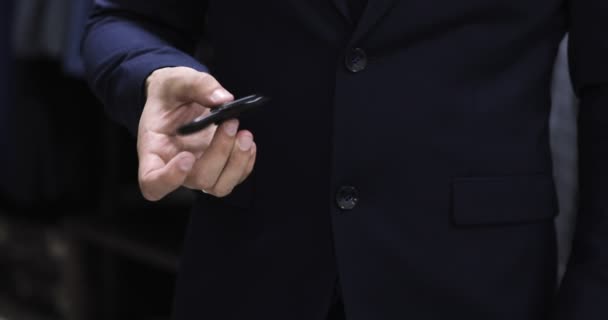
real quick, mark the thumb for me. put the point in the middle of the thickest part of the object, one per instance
(205, 90)
(189, 85)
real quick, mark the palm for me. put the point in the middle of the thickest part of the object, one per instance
(159, 138)
(166, 144)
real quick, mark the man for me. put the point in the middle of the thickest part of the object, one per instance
(402, 167)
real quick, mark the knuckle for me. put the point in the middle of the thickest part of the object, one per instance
(243, 178)
(152, 198)
(228, 148)
(222, 192)
(223, 147)
(201, 80)
(148, 195)
(246, 174)
(171, 78)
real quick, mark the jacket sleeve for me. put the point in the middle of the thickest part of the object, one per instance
(126, 40)
(584, 290)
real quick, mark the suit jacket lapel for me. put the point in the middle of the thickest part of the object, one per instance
(342, 7)
(373, 13)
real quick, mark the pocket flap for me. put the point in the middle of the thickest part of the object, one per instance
(503, 200)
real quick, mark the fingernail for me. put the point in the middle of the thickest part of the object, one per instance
(220, 95)
(245, 142)
(231, 127)
(186, 164)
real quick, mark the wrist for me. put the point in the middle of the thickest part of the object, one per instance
(153, 77)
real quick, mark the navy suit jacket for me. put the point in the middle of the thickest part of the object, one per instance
(443, 134)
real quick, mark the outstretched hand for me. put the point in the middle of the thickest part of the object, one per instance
(214, 160)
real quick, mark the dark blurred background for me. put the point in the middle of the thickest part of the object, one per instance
(77, 240)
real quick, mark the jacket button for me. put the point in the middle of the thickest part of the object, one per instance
(356, 60)
(347, 197)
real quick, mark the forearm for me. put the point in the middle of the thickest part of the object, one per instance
(121, 48)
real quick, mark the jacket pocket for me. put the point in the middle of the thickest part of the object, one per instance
(503, 200)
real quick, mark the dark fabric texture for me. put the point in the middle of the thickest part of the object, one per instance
(356, 8)
(337, 312)
(79, 11)
(6, 88)
(444, 132)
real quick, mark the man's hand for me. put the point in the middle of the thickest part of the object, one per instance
(214, 160)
